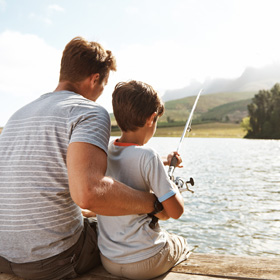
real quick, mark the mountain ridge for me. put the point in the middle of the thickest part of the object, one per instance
(252, 79)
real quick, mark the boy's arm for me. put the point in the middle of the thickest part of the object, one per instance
(91, 189)
(173, 206)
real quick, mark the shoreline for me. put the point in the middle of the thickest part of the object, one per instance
(208, 130)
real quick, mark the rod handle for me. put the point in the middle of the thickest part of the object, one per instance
(174, 161)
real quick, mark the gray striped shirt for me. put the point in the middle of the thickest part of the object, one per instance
(38, 218)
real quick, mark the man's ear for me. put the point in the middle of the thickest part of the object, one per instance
(151, 119)
(94, 78)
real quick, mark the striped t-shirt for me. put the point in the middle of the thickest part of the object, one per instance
(38, 218)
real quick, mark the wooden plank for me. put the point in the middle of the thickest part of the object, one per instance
(100, 273)
(4, 276)
(203, 267)
(231, 267)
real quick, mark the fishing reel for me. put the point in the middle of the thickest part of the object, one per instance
(183, 185)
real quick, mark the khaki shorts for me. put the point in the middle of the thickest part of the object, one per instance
(175, 251)
(78, 259)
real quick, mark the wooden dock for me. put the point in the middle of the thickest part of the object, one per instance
(204, 267)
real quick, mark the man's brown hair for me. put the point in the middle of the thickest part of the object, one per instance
(133, 103)
(81, 58)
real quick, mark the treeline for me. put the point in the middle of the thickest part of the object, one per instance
(264, 115)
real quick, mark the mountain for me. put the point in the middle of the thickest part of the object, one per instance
(232, 112)
(252, 79)
(213, 107)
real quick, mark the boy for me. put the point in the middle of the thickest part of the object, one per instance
(132, 246)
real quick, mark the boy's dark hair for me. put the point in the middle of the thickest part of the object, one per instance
(81, 58)
(133, 103)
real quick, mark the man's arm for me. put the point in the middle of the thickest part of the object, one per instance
(91, 189)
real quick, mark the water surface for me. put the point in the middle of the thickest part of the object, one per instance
(236, 205)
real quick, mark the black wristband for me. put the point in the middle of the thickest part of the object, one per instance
(158, 208)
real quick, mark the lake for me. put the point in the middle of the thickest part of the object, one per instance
(235, 208)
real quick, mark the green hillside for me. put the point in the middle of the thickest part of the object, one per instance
(229, 112)
(210, 107)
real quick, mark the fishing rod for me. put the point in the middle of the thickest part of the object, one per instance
(179, 181)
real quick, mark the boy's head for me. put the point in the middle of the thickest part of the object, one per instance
(133, 103)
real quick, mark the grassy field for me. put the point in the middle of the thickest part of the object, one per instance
(211, 130)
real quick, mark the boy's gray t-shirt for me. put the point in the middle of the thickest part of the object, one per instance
(38, 218)
(127, 239)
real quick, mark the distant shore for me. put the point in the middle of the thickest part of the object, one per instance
(209, 130)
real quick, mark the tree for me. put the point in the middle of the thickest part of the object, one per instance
(264, 114)
(245, 124)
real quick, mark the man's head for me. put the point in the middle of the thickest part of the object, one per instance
(133, 103)
(81, 59)
(86, 61)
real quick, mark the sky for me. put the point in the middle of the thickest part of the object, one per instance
(164, 43)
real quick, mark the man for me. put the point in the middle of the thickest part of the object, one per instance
(53, 162)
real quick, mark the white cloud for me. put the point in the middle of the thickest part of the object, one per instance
(168, 65)
(29, 67)
(55, 8)
(3, 5)
(41, 18)
(47, 17)
(131, 10)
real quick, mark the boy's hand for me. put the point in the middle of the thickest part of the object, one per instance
(169, 158)
(87, 213)
(162, 215)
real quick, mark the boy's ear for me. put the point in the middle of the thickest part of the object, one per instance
(151, 119)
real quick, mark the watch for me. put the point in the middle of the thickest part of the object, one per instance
(158, 208)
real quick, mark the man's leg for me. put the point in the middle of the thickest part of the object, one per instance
(89, 256)
(5, 266)
(78, 259)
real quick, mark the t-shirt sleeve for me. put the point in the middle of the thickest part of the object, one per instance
(158, 179)
(90, 123)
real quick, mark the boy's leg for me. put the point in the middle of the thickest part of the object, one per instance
(179, 248)
(78, 259)
(174, 252)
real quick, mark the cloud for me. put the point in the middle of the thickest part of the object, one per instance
(41, 18)
(131, 10)
(29, 68)
(28, 65)
(55, 8)
(168, 65)
(3, 5)
(47, 18)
